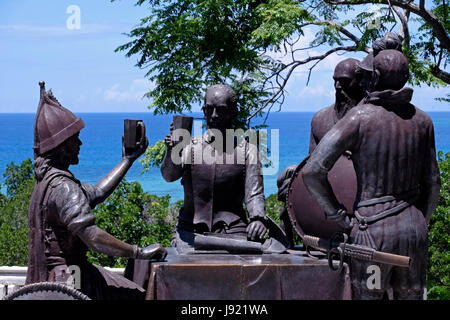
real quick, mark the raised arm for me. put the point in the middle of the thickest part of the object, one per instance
(171, 170)
(109, 183)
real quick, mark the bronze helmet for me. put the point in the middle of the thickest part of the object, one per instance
(367, 63)
(53, 123)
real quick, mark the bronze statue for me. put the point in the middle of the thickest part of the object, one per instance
(393, 152)
(353, 81)
(348, 94)
(365, 68)
(62, 227)
(214, 189)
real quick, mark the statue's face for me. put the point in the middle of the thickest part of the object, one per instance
(218, 111)
(70, 149)
(346, 81)
(365, 79)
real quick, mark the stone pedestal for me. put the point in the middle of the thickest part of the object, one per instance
(289, 276)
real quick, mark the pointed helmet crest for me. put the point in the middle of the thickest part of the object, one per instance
(53, 123)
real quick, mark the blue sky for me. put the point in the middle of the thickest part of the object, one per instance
(86, 75)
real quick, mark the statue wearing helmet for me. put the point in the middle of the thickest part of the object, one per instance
(62, 227)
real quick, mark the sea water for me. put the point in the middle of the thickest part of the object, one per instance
(102, 144)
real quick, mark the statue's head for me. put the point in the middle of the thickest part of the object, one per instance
(390, 41)
(67, 152)
(346, 82)
(56, 131)
(220, 108)
(391, 70)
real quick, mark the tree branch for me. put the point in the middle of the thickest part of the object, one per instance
(341, 29)
(428, 16)
(404, 22)
(293, 66)
(441, 74)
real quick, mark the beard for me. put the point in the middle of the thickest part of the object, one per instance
(344, 102)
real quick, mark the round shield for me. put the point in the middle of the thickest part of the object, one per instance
(305, 213)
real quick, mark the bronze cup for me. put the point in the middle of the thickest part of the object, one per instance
(182, 122)
(134, 133)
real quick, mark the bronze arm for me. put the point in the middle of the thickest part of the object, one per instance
(109, 183)
(102, 242)
(169, 170)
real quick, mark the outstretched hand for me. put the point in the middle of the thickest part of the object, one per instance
(154, 251)
(256, 230)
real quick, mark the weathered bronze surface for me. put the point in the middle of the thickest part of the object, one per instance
(340, 248)
(62, 227)
(302, 211)
(393, 152)
(46, 291)
(290, 276)
(353, 81)
(214, 188)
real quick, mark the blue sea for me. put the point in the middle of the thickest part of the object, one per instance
(101, 149)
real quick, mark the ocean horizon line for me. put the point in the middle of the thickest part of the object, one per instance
(168, 114)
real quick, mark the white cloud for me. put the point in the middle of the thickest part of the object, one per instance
(316, 91)
(424, 98)
(134, 92)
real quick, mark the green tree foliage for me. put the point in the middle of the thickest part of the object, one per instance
(427, 47)
(438, 281)
(140, 218)
(153, 156)
(253, 46)
(274, 207)
(20, 183)
(186, 46)
(135, 217)
(15, 176)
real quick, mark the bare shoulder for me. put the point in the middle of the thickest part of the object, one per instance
(322, 122)
(323, 114)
